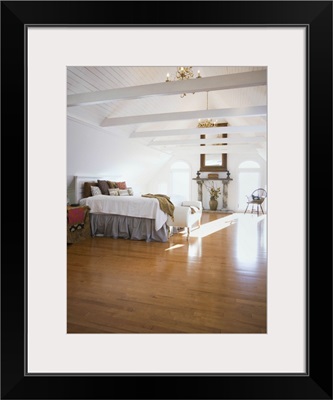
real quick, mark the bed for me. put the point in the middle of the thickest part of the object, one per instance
(124, 216)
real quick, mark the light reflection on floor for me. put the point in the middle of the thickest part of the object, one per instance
(250, 237)
(175, 246)
(214, 226)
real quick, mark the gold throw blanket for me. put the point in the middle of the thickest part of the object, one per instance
(165, 203)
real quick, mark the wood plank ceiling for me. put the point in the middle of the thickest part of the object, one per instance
(138, 103)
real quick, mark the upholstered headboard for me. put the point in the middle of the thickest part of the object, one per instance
(79, 184)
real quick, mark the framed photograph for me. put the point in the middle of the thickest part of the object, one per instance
(293, 358)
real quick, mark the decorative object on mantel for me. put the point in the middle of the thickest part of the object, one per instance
(228, 174)
(214, 195)
(213, 176)
(198, 174)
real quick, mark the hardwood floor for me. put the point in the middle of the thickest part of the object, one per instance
(216, 282)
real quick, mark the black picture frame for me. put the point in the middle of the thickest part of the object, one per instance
(316, 16)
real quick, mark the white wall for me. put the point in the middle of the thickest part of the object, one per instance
(93, 152)
(163, 181)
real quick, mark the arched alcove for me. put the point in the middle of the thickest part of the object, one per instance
(249, 179)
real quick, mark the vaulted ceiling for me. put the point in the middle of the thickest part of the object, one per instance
(138, 103)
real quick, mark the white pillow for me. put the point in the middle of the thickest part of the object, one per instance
(123, 192)
(95, 190)
(114, 192)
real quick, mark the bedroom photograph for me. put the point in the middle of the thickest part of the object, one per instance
(167, 199)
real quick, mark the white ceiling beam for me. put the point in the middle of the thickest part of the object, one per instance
(196, 131)
(215, 149)
(257, 111)
(193, 142)
(220, 82)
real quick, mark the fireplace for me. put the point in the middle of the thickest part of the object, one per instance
(225, 184)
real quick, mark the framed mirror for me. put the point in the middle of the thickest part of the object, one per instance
(214, 162)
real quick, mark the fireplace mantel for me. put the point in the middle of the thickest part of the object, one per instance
(225, 182)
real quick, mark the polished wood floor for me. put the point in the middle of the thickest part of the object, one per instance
(216, 282)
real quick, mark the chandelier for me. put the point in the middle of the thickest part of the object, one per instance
(209, 123)
(206, 123)
(181, 74)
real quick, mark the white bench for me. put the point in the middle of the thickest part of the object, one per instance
(187, 215)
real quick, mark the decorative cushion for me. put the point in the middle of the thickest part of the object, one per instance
(112, 184)
(114, 192)
(103, 185)
(130, 191)
(95, 190)
(255, 197)
(87, 188)
(121, 185)
(123, 192)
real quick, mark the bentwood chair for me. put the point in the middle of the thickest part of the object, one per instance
(256, 199)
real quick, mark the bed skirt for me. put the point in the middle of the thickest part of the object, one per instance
(119, 226)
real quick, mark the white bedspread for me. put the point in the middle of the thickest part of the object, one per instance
(132, 206)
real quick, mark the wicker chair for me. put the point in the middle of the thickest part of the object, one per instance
(256, 199)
